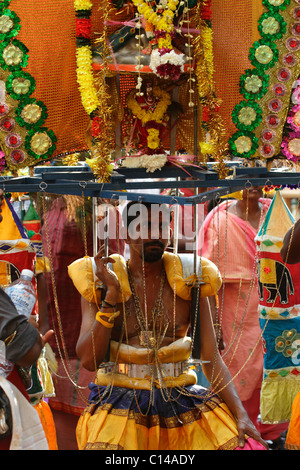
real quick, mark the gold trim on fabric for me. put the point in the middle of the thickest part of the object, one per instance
(150, 421)
(102, 446)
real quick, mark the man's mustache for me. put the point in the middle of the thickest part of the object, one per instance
(154, 243)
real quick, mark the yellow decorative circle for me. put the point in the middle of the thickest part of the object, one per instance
(270, 26)
(264, 54)
(276, 3)
(12, 55)
(243, 144)
(6, 24)
(253, 84)
(31, 113)
(247, 115)
(20, 85)
(40, 143)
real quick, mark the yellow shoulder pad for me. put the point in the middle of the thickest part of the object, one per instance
(211, 277)
(181, 275)
(82, 273)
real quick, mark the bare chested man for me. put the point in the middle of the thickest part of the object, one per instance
(149, 331)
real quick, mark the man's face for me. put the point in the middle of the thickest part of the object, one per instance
(149, 233)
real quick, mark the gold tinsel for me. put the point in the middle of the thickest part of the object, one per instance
(100, 161)
(203, 50)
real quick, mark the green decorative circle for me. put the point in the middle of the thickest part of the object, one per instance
(18, 45)
(271, 26)
(263, 54)
(254, 84)
(29, 141)
(15, 24)
(247, 115)
(275, 5)
(246, 149)
(26, 104)
(4, 4)
(20, 85)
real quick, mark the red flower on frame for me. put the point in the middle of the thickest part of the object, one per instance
(205, 113)
(206, 13)
(83, 27)
(97, 125)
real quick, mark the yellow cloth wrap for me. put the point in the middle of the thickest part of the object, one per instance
(177, 351)
(82, 275)
(42, 265)
(292, 441)
(276, 398)
(47, 421)
(207, 426)
(110, 429)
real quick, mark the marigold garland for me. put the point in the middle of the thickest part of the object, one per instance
(217, 146)
(164, 61)
(85, 79)
(95, 101)
(146, 116)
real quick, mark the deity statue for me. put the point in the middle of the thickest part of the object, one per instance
(149, 108)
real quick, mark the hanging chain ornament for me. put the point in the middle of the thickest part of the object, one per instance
(64, 358)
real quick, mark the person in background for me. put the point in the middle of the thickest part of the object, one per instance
(227, 238)
(22, 340)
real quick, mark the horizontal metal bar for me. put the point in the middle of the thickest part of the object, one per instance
(68, 183)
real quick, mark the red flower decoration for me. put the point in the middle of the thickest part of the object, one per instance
(97, 125)
(206, 12)
(205, 114)
(83, 27)
(267, 269)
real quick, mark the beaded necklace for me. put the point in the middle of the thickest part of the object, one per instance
(150, 338)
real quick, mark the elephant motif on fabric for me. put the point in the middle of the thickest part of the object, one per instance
(275, 277)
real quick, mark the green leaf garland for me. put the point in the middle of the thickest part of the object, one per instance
(13, 28)
(263, 54)
(17, 45)
(243, 144)
(44, 132)
(247, 115)
(40, 111)
(4, 4)
(20, 84)
(271, 26)
(274, 5)
(254, 84)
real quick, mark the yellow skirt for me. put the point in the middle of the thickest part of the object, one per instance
(169, 419)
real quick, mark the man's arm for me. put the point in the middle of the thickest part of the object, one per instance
(290, 251)
(23, 341)
(95, 329)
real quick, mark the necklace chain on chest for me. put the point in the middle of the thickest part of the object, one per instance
(149, 337)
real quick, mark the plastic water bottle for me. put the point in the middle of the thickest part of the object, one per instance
(22, 293)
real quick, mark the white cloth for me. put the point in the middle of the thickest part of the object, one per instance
(27, 432)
